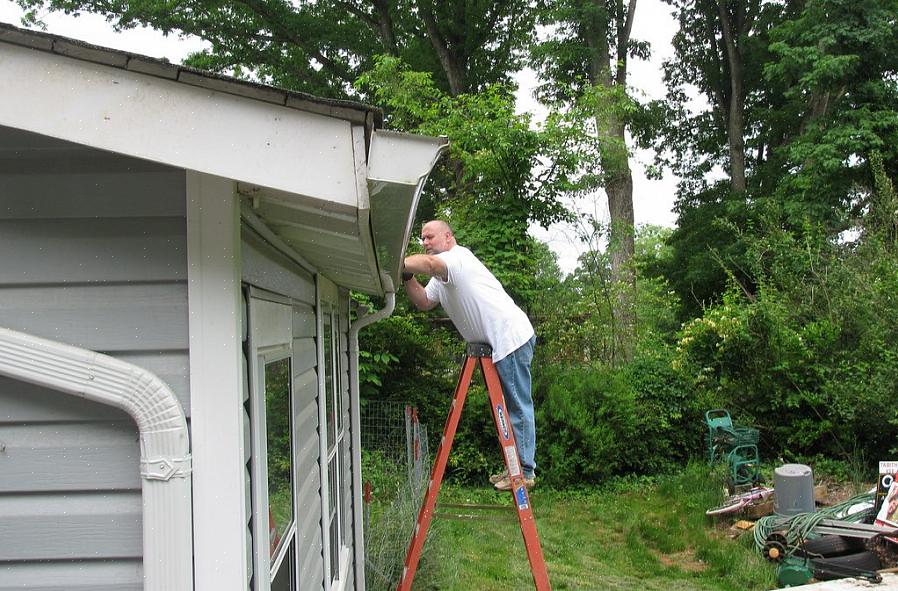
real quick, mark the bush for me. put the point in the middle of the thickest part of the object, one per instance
(671, 416)
(594, 422)
(585, 417)
(809, 357)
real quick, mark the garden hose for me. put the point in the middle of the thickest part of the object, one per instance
(797, 528)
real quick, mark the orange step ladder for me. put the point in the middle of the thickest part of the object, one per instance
(478, 354)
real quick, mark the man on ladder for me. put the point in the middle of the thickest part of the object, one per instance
(483, 313)
(496, 330)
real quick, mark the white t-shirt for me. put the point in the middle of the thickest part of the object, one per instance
(478, 305)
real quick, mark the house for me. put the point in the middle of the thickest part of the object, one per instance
(178, 357)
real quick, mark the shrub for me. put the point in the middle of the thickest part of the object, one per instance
(584, 416)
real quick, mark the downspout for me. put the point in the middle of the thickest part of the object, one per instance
(354, 411)
(164, 443)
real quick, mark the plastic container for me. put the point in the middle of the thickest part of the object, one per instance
(794, 484)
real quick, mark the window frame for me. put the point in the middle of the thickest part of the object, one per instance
(270, 341)
(329, 314)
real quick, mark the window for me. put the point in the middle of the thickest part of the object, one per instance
(272, 470)
(279, 452)
(335, 436)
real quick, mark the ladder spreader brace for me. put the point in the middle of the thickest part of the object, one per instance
(478, 354)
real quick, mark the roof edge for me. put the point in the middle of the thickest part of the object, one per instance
(352, 111)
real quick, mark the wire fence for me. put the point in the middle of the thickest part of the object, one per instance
(396, 466)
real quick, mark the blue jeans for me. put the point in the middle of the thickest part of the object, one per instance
(514, 373)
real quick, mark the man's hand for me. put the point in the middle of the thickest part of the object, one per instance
(415, 290)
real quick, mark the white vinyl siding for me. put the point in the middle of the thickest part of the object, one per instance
(94, 255)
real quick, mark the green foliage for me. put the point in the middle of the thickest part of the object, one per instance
(810, 356)
(590, 414)
(594, 422)
(322, 47)
(837, 60)
(491, 197)
(385, 475)
(575, 323)
(880, 224)
(279, 448)
(372, 367)
(819, 86)
(707, 248)
(695, 142)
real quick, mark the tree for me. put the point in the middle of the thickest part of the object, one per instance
(321, 47)
(837, 62)
(818, 82)
(719, 51)
(583, 66)
(488, 190)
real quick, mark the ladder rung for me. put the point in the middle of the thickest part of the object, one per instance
(476, 517)
(508, 508)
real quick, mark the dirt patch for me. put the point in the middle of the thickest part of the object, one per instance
(685, 561)
(829, 493)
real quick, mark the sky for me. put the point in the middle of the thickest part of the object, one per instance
(652, 199)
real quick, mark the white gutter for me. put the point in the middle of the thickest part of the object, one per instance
(355, 418)
(164, 442)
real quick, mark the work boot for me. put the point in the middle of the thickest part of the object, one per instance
(505, 483)
(494, 478)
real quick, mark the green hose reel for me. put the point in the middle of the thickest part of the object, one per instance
(736, 445)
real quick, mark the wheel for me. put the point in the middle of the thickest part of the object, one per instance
(827, 546)
(775, 547)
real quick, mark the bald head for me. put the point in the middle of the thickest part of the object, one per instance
(437, 237)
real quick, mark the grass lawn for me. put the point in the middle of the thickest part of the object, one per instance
(632, 534)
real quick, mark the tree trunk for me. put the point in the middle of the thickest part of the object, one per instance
(621, 240)
(618, 182)
(736, 110)
(623, 276)
(455, 71)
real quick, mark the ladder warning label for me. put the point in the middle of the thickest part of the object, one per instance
(511, 460)
(520, 496)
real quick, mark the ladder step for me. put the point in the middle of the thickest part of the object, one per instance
(477, 517)
(476, 506)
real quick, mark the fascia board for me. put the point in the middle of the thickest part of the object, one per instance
(178, 124)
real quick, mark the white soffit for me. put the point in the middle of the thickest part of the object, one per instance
(178, 124)
(327, 235)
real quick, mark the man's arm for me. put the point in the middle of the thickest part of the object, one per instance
(423, 264)
(427, 264)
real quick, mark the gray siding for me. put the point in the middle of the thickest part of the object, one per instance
(94, 255)
(308, 476)
(121, 575)
(264, 267)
